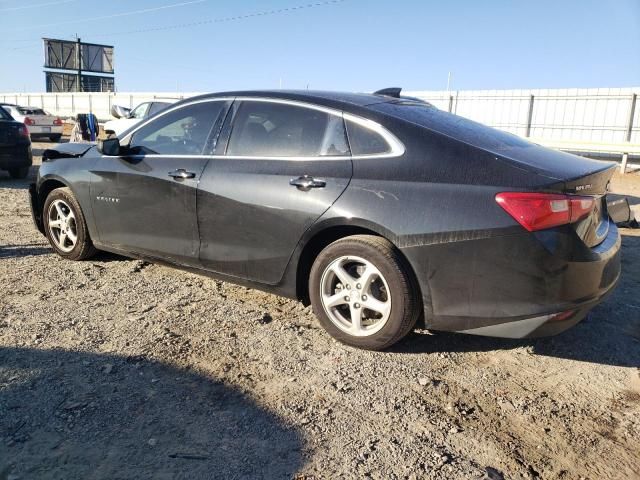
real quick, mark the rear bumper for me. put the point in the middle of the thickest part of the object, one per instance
(15, 156)
(538, 326)
(39, 131)
(514, 285)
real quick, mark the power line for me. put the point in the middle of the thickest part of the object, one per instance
(263, 13)
(24, 7)
(114, 15)
(235, 18)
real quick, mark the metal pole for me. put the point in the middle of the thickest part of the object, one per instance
(529, 116)
(450, 103)
(632, 114)
(79, 62)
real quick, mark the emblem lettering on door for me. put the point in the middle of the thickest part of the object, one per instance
(108, 199)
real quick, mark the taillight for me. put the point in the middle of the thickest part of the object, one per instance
(537, 211)
(29, 121)
(57, 122)
(23, 131)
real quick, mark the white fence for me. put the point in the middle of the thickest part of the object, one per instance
(605, 120)
(590, 115)
(70, 104)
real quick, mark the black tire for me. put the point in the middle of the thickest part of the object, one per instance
(83, 247)
(402, 288)
(55, 138)
(19, 173)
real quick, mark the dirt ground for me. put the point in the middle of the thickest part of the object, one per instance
(117, 369)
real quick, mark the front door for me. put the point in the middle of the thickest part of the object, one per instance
(282, 167)
(145, 200)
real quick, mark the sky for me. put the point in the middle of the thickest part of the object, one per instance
(353, 45)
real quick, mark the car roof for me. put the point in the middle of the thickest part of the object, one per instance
(20, 106)
(319, 97)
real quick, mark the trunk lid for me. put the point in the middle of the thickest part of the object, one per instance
(9, 135)
(42, 120)
(575, 176)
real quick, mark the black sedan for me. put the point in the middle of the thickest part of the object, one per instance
(381, 211)
(15, 146)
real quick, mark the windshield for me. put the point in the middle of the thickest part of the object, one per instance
(30, 111)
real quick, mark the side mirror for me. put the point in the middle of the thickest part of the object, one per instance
(110, 147)
(120, 112)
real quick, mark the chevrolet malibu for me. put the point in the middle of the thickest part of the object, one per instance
(380, 211)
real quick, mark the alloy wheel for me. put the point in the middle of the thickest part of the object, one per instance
(355, 296)
(62, 225)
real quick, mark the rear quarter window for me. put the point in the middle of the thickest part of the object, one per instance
(364, 141)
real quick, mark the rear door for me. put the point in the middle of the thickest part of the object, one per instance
(145, 201)
(278, 167)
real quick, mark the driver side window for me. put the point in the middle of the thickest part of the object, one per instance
(181, 132)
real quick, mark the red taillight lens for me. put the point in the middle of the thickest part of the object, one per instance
(23, 131)
(29, 121)
(57, 122)
(537, 211)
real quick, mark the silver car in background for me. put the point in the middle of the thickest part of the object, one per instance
(41, 124)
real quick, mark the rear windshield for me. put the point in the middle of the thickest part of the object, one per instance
(4, 115)
(460, 128)
(31, 111)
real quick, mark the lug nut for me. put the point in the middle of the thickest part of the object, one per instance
(358, 286)
(347, 299)
(348, 287)
(357, 305)
(364, 298)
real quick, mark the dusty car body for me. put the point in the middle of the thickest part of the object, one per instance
(380, 210)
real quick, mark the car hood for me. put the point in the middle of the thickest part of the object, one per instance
(67, 150)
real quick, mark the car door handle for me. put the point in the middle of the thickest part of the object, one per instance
(306, 183)
(181, 174)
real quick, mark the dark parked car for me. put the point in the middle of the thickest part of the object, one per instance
(15, 146)
(378, 210)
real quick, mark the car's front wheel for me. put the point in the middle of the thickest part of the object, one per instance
(363, 292)
(65, 225)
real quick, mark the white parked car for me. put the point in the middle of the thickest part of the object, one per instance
(127, 118)
(40, 123)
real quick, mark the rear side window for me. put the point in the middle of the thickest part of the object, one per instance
(4, 115)
(364, 141)
(270, 129)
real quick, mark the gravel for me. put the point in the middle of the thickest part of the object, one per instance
(116, 368)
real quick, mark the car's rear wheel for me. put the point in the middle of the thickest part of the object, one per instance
(363, 292)
(19, 173)
(65, 225)
(55, 138)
